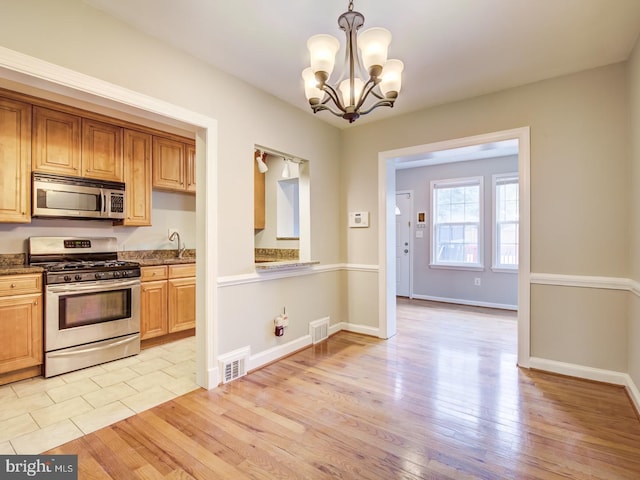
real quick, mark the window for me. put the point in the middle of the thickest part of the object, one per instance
(456, 227)
(505, 253)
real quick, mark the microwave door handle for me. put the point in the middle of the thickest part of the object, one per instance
(104, 201)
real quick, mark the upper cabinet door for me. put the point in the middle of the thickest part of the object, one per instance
(137, 177)
(56, 142)
(168, 164)
(102, 155)
(15, 161)
(191, 168)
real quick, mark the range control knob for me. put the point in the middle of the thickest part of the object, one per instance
(99, 275)
(67, 278)
(116, 274)
(78, 277)
(125, 273)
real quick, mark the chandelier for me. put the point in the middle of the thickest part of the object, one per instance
(352, 96)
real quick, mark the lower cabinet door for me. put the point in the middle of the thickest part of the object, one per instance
(20, 332)
(182, 304)
(153, 309)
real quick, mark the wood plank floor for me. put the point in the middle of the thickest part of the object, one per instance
(443, 399)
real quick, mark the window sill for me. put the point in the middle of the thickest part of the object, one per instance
(469, 268)
(504, 270)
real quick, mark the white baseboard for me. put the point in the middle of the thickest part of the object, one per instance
(350, 327)
(275, 353)
(633, 391)
(460, 301)
(212, 379)
(589, 373)
(580, 371)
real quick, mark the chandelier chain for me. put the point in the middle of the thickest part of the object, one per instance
(351, 5)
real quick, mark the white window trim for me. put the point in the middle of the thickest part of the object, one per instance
(499, 177)
(458, 182)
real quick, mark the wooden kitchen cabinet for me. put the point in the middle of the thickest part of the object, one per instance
(137, 177)
(167, 302)
(259, 210)
(102, 155)
(191, 167)
(182, 297)
(173, 165)
(21, 336)
(68, 144)
(153, 302)
(15, 161)
(56, 142)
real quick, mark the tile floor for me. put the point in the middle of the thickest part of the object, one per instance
(39, 414)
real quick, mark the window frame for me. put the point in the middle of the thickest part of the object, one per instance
(435, 185)
(501, 179)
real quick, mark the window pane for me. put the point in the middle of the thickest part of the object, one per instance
(506, 228)
(456, 223)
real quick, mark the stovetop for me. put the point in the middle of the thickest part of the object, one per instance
(79, 259)
(88, 265)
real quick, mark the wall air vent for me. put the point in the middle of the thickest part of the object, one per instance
(234, 364)
(319, 330)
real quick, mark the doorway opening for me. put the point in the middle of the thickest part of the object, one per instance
(392, 161)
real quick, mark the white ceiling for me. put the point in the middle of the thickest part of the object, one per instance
(452, 49)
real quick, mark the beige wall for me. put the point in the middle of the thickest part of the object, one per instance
(634, 139)
(71, 34)
(579, 193)
(580, 180)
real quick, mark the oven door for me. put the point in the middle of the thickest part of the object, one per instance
(81, 313)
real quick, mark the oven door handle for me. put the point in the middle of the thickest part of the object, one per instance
(95, 286)
(80, 351)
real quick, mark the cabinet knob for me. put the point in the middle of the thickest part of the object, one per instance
(36, 302)
(13, 285)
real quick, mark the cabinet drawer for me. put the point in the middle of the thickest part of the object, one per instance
(153, 273)
(20, 284)
(182, 270)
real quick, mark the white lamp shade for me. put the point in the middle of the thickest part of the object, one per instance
(311, 89)
(345, 90)
(374, 45)
(391, 80)
(262, 166)
(286, 172)
(322, 51)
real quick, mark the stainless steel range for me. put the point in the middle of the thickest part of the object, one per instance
(92, 302)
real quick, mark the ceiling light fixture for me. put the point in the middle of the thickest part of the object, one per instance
(260, 160)
(348, 98)
(286, 171)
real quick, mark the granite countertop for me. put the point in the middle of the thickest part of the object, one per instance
(16, 264)
(19, 269)
(152, 262)
(271, 266)
(152, 258)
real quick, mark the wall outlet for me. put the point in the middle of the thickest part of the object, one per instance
(477, 281)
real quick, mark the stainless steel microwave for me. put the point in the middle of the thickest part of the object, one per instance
(75, 197)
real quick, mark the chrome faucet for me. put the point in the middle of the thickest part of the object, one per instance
(172, 237)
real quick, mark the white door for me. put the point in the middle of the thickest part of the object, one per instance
(404, 208)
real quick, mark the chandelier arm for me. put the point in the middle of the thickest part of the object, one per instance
(322, 106)
(333, 95)
(377, 95)
(380, 103)
(366, 90)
